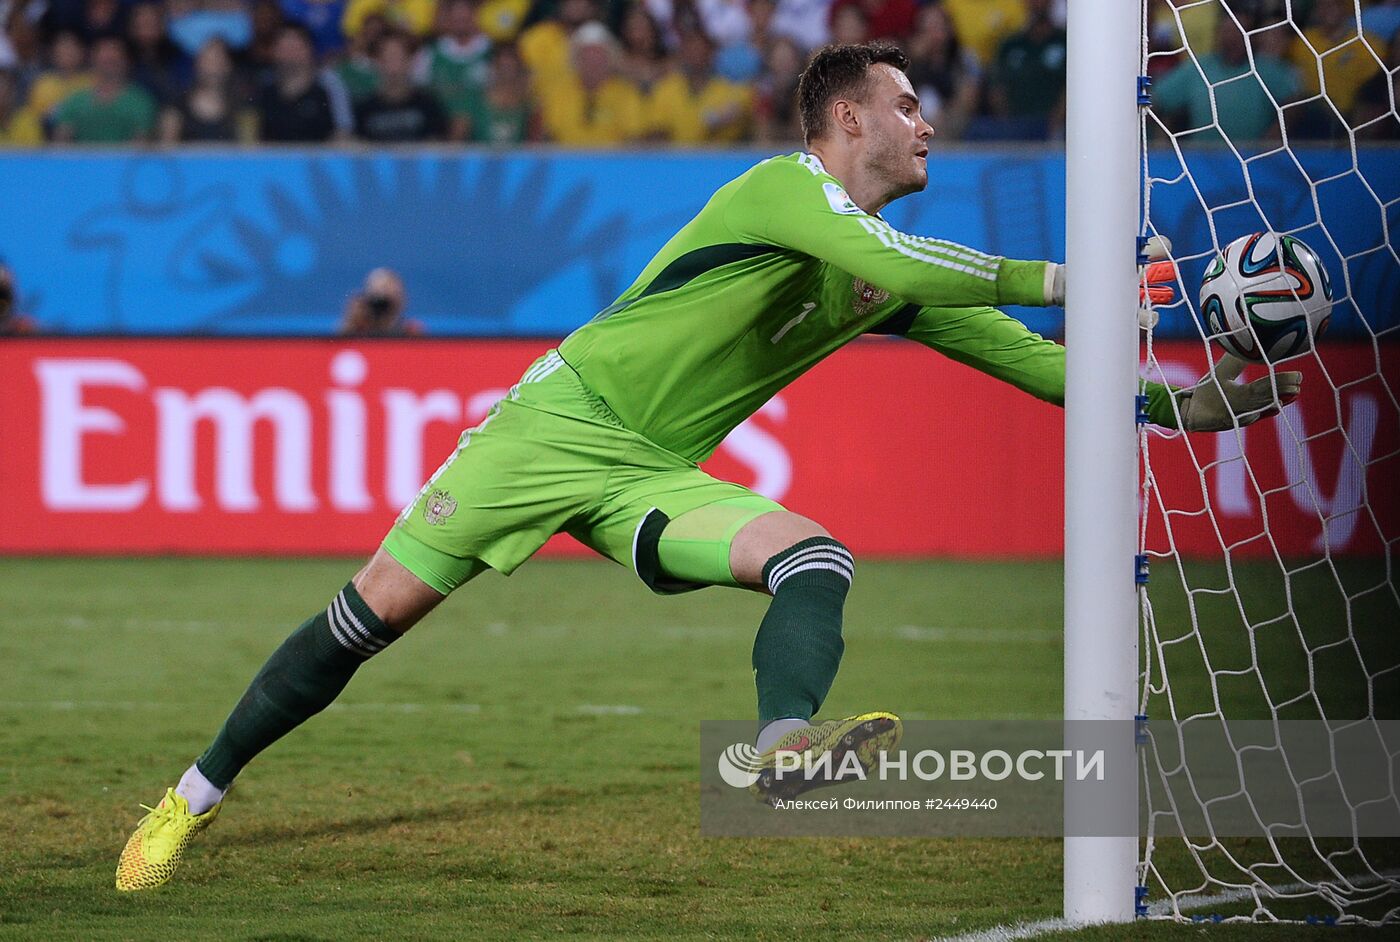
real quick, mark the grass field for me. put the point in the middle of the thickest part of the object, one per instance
(522, 765)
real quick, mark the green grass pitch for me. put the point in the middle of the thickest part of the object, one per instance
(521, 766)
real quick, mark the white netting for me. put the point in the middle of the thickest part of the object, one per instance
(1272, 594)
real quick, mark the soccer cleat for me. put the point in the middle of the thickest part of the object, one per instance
(866, 735)
(153, 852)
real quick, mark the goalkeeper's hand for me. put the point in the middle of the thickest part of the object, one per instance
(1156, 281)
(1218, 403)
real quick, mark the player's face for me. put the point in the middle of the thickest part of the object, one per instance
(897, 150)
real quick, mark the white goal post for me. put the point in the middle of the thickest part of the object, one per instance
(1272, 595)
(1101, 336)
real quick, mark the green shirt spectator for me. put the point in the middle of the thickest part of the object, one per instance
(457, 65)
(113, 110)
(1244, 110)
(1030, 67)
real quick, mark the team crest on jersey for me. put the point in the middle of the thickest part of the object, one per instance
(867, 296)
(438, 507)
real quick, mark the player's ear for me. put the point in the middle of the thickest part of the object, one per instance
(843, 115)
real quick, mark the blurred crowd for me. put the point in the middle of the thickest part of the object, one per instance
(606, 73)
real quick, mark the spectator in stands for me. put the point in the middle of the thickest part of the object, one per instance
(153, 55)
(505, 114)
(1245, 107)
(1382, 17)
(457, 65)
(212, 108)
(1373, 114)
(322, 19)
(259, 53)
(1348, 57)
(67, 73)
(298, 105)
(1027, 89)
(776, 118)
(102, 18)
(400, 111)
(644, 58)
(378, 310)
(726, 22)
(693, 105)
(982, 25)
(113, 110)
(885, 19)
(590, 104)
(12, 322)
(19, 35)
(806, 22)
(502, 20)
(18, 126)
(945, 75)
(193, 23)
(356, 71)
(413, 16)
(547, 46)
(850, 25)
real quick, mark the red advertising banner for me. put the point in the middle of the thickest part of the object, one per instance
(310, 446)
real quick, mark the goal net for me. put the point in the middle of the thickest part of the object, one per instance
(1268, 551)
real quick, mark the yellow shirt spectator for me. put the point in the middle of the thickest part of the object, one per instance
(416, 16)
(53, 87)
(719, 111)
(545, 49)
(981, 25)
(501, 19)
(610, 115)
(1346, 63)
(22, 130)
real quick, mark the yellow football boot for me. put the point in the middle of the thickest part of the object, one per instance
(154, 850)
(866, 735)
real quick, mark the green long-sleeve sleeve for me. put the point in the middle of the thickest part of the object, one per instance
(994, 343)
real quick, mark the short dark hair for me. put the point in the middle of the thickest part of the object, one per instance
(840, 72)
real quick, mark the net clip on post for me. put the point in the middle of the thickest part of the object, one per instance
(1140, 569)
(1140, 414)
(1139, 901)
(1144, 91)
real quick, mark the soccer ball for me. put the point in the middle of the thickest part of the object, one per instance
(1260, 310)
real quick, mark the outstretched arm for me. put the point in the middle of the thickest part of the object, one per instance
(1001, 346)
(797, 205)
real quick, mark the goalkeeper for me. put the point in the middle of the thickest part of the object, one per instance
(601, 437)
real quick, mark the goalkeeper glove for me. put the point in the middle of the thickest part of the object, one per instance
(1218, 403)
(1157, 281)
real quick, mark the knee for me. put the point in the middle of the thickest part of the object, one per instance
(814, 560)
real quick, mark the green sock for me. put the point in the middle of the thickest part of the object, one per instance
(301, 679)
(799, 644)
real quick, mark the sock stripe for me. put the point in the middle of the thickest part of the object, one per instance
(832, 567)
(348, 629)
(360, 630)
(831, 560)
(831, 557)
(816, 552)
(357, 627)
(830, 554)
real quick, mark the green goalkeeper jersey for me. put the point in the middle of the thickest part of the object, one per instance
(777, 271)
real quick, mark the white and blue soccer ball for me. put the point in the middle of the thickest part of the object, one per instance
(1266, 297)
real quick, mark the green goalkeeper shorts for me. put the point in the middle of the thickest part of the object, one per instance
(552, 457)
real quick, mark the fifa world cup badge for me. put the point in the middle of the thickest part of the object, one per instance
(867, 297)
(439, 506)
